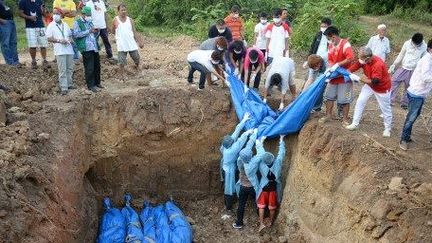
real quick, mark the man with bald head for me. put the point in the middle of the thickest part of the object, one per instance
(377, 82)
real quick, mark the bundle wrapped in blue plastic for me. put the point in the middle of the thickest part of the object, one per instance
(112, 228)
(133, 229)
(181, 230)
(162, 225)
(148, 222)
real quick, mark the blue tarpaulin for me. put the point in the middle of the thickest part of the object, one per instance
(133, 229)
(112, 228)
(148, 222)
(272, 124)
(162, 225)
(181, 231)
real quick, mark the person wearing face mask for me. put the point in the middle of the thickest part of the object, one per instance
(206, 62)
(67, 9)
(235, 23)
(235, 57)
(60, 35)
(217, 44)
(377, 82)
(316, 68)
(380, 44)
(220, 29)
(260, 32)
(411, 52)
(254, 61)
(420, 87)
(277, 37)
(84, 35)
(340, 54)
(319, 44)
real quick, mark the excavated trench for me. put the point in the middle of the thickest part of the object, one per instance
(161, 143)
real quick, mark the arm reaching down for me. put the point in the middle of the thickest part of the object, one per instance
(240, 126)
(280, 157)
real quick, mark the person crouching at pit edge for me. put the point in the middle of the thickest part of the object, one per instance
(127, 38)
(206, 62)
(85, 38)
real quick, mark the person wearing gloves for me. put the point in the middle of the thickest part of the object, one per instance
(206, 62)
(420, 87)
(319, 44)
(260, 32)
(230, 149)
(244, 187)
(60, 35)
(380, 44)
(406, 61)
(235, 57)
(377, 82)
(277, 37)
(254, 66)
(281, 74)
(340, 54)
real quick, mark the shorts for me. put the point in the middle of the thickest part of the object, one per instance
(122, 57)
(342, 93)
(267, 199)
(36, 37)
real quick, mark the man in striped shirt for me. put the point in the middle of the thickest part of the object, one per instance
(235, 23)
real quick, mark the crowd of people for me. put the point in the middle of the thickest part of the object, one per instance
(74, 31)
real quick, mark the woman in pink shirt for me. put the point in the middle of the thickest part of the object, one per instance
(254, 66)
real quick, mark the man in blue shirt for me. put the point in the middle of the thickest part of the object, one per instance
(84, 35)
(32, 11)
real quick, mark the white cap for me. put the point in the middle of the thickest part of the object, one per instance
(382, 26)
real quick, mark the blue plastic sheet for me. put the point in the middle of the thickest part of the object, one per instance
(270, 123)
(133, 229)
(181, 231)
(162, 225)
(112, 228)
(148, 222)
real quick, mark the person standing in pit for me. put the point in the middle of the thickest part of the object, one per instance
(277, 37)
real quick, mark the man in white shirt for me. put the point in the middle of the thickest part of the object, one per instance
(380, 44)
(260, 33)
(281, 74)
(98, 8)
(277, 37)
(206, 62)
(412, 51)
(420, 87)
(60, 35)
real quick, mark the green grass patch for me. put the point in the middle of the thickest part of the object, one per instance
(21, 34)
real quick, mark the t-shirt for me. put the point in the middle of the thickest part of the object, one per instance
(247, 61)
(235, 55)
(323, 48)
(66, 5)
(277, 36)
(380, 47)
(271, 185)
(209, 44)
(98, 13)
(261, 41)
(286, 68)
(5, 12)
(421, 79)
(60, 32)
(32, 9)
(236, 25)
(202, 57)
(375, 69)
(213, 32)
(337, 54)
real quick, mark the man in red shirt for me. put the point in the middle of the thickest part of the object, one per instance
(377, 82)
(235, 23)
(340, 54)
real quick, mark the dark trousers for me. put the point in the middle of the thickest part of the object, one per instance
(244, 194)
(229, 201)
(8, 42)
(194, 66)
(91, 61)
(320, 100)
(257, 77)
(103, 33)
(415, 105)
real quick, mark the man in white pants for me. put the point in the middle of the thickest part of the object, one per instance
(377, 82)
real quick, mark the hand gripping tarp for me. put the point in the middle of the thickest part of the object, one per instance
(291, 120)
(181, 231)
(134, 230)
(148, 222)
(112, 228)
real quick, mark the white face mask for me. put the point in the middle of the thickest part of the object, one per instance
(221, 30)
(235, 15)
(214, 62)
(277, 20)
(219, 48)
(323, 29)
(57, 18)
(253, 61)
(88, 18)
(263, 21)
(361, 62)
(237, 52)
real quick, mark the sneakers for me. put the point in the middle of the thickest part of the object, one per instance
(352, 127)
(386, 133)
(200, 89)
(403, 145)
(237, 226)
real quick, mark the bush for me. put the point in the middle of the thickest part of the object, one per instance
(417, 14)
(344, 14)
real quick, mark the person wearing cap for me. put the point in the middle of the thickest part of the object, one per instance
(235, 23)
(220, 29)
(411, 52)
(260, 32)
(84, 35)
(230, 149)
(380, 44)
(269, 187)
(316, 68)
(235, 57)
(244, 186)
(254, 66)
(206, 62)
(281, 74)
(377, 82)
(277, 37)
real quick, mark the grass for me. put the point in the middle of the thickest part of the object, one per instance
(21, 35)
